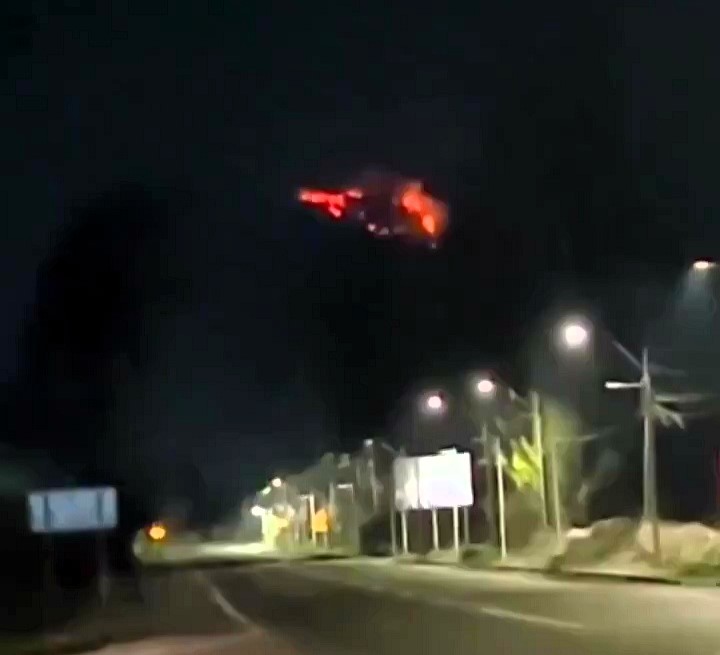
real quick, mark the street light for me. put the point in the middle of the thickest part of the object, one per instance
(485, 387)
(434, 403)
(703, 265)
(574, 334)
(257, 511)
(276, 483)
(266, 491)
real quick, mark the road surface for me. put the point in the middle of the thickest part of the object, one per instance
(373, 606)
(367, 606)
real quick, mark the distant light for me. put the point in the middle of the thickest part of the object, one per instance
(276, 482)
(368, 443)
(256, 510)
(434, 402)
(157, 532)
(485, 386)
(265, 491)
(703, 265)
(574, 334)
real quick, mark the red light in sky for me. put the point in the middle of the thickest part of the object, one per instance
(410, 209)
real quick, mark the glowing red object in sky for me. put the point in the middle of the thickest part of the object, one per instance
(429, 214)
(385, 205)
(334, 203)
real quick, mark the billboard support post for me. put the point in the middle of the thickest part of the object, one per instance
(456, 529)
(435, 531)
(103, 579)
(466, 525)
(404, 530)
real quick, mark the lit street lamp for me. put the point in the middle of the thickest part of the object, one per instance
(703, 265)
(434, 403)
(257, 511)
(485, 387)
(647, 400)
(574, 334)
(276, 483)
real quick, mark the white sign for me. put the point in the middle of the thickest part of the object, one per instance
(407, 490)
(433, 481)
(73, 510)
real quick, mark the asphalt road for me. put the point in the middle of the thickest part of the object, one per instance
(367, 606)
(373, 606)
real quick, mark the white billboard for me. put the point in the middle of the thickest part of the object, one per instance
(407, 487)
(73, 510)
(433, 481)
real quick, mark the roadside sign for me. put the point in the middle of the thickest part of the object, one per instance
(321, 522)
(433, 481)
(72, 510)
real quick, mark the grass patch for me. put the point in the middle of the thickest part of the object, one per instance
(480, 556)
(699, 570)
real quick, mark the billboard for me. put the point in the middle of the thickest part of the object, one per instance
(433, 481)
(73, 510)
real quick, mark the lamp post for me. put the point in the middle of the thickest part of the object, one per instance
(486, 389)
(647, 400)
(576, 335)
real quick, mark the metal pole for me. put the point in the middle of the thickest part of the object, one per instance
(466, 524)
(373, 478)
(356, 519)
(435, 531)
(555, 484)
(490, 484)
(539, 446)
(650, 507)
(404, 529)
(103, 577)
(391, 507)
(501, 499)
(456, 529)
(313, 534)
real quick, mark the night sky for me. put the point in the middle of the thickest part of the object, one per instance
(167, 307)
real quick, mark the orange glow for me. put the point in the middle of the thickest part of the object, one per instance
(428, 212)
(334, 203)
(428, 223)
(157, 532)
(415, 211)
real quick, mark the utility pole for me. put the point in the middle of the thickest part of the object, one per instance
(489, 483)
(647, 409)
(555, 486)
(501, 498)
(539, 448)
(650, 506)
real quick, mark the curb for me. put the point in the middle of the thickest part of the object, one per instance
(594, 575)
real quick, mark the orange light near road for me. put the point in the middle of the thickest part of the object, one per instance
(157, 532)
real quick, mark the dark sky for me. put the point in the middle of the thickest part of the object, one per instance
(156, 149)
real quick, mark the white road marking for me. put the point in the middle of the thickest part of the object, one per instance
(546, 621)
(462, 605)
(223, 603)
